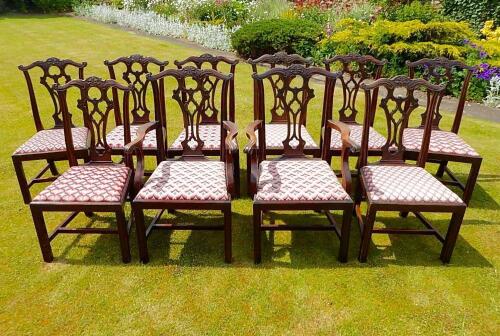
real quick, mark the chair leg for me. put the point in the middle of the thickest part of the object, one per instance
(441, 169)
(236, 156)
(21, 178)
(471, 181)
(41, 232)
(452, 235)
(53, 168)
(257, 221)
(123, 235)
(141, 235)
(403, 214)
(366, 235)
(248, 176)
(228, 248)
(344, 235)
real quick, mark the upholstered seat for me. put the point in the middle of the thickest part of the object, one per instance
(52, 140)
(210, 134)
(186, 180)
(442, 142)
(87, 183)
(375, 139)
(277, 133)
(404, 184)
(116, 138)
(298, 180)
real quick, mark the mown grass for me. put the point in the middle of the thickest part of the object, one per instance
(300, 288)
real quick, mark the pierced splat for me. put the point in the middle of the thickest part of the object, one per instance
(293, 95)
(210, 115)
(397, 110)
(136, 67)
(97, 100)
(355, 69)
(193, 96)
(54, 72)
(441, 71)
(281, 58)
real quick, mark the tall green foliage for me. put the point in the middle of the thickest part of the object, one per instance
(476, 12)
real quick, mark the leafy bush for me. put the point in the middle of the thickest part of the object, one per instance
(229, 12)
(413, 11)
(476, 12)
(165, 8)
(269, 36)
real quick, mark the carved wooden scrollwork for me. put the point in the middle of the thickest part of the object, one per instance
(441, 71)
(194, 97)
(97, 100)
(355, 69)
(136, 67)
(55, 71)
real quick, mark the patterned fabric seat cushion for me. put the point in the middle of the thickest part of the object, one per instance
(186, 180)
(276, 134)
(210, 134)
(442, 142)
(52, 140)
(404, 184)
(116, 137)
(375, 139)
(298, 180)
(87, 183)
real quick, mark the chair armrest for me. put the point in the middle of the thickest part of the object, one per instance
(252, 156)
(348, 146)
(228, 157)
(135, 147)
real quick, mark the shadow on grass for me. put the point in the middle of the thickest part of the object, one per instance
(296, 249)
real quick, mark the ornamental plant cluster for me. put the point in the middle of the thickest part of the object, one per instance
(395, 30)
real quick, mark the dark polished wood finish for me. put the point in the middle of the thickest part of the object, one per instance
(98, 100)
(54, 71)
(443, 71)
(210, 115)
(294, 97)
(192, 94)
(397, 109)
(133, 70)
(355, 69)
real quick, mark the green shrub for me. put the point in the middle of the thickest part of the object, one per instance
(270, 9)
(270, 36)
(230, 12)
(476, 12)
(47, 6)
(165, 8)
(414, 11)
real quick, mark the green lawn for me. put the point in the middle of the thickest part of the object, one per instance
(300, 288)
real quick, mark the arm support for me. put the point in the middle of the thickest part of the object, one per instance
(231, 146)
(347, 146)
(252, 155)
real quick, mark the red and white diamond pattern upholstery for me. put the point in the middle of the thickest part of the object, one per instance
(298, 180)
(404, 184)
(276, 134)
(116, 138)
(210, 134)
(87, 183)
(52, 140)
(375, 139)
(186, 180)
(442, 142)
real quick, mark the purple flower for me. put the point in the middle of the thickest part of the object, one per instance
(486, 71)
(483, 54)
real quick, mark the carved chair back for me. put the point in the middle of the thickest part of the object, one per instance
(97, 101)
(210, 116)
(397, 102)
(133, 70)
(355, 69)
(194, 98)
(291, 87)
(442, 71)
(278, 59)
(54, 72)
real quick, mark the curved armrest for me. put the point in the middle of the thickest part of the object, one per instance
(228, 157)
(135, 147)
(348, 146)
(252, 137)
(252, 156)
